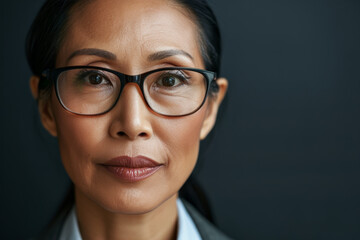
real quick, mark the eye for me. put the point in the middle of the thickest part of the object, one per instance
(168, 81)
(95, 79)
(171, 79)
(92, 78)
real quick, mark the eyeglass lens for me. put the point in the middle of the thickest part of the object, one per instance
(168, 92)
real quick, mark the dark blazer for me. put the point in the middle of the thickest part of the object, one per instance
(206, 229)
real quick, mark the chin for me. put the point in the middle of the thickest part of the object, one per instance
(132, 202)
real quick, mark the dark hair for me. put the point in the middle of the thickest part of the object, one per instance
(46, 35)
(209, 32)
(48, 30)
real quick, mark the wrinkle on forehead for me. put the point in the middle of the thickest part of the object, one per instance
(130, 26)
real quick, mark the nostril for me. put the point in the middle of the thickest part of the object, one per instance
(121, 133)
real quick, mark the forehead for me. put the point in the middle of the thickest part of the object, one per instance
(130, 27)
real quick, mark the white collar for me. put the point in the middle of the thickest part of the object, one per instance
(186, 226)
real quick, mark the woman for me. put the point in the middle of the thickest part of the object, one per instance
(123, 87)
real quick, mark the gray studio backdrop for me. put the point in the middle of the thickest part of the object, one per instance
(283, 162)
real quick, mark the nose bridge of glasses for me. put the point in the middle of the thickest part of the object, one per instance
(132, 79)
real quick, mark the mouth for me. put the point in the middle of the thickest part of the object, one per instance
(132, 169)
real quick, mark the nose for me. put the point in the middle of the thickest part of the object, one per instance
(131, 115)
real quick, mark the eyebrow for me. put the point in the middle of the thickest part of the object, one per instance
(168, 53)
(93, 51)
(108, 55)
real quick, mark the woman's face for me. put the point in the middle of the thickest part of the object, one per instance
(134, 32)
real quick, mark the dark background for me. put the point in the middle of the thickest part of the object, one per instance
(284, 159)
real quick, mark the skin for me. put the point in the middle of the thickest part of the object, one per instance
(132, 30)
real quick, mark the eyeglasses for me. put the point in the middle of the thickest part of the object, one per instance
(173, 91)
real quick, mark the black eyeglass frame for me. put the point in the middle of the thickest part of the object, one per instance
(53, 75)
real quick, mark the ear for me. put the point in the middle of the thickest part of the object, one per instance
(213, 107)
(34, 83)
(44, 106)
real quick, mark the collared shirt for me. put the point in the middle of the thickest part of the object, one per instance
(186, 226)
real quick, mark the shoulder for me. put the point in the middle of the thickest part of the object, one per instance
(206, 229)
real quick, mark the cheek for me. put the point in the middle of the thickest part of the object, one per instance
(78, 137)
(180, 138)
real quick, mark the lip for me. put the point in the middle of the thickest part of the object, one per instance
(132, 169)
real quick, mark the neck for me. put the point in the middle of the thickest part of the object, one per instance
(95, 222)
